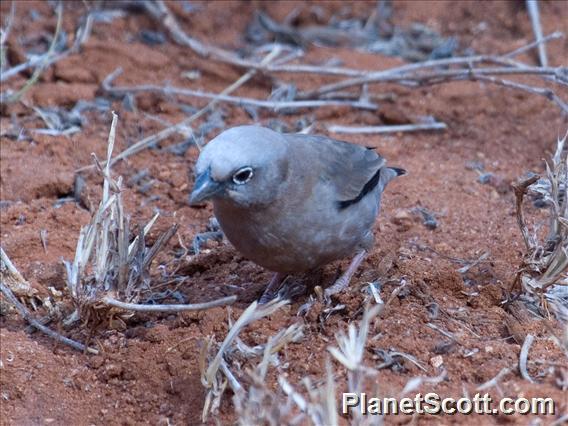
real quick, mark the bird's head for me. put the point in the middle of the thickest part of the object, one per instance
(245, 165)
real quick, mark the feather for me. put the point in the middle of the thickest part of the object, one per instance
(353, 170)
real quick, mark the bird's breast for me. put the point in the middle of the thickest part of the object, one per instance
(292, 237)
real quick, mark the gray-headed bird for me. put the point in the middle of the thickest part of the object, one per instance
(292, 202)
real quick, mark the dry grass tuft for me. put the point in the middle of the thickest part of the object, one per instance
(110, 273)
(543, 275)
(312, 401)
(216, 373)
(105, 262)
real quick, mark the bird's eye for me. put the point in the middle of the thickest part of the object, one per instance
(243, 175)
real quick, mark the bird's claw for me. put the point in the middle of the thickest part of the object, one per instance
(341, 284)
(266, 297)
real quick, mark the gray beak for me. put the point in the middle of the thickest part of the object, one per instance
(204, 188)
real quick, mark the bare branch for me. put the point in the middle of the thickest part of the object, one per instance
(169, 308)
(520, 191)
(405, 77)
(152, 139)
(334, 128)
(554, 36)
(532, 8)
(274, 105)
(42, 65)
(39, 326)
(524, 356)
(542, 91)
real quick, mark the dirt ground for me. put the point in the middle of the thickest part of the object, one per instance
(148, 372)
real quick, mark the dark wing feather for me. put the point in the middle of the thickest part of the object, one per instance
(352, 169)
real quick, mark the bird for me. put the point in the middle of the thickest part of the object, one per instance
(292, 202)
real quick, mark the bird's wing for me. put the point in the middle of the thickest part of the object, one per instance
(352, 169)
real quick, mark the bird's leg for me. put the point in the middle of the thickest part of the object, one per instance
(272, 290)
(343, 281)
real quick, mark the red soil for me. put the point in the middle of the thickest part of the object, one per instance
(148, 373)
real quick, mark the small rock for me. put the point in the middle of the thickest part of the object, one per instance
(443, 347)
(113, 370)
(191, 74)
(485, 178)
(96, 361)
(497, 182)
(436, 361)
(428, 218)
(403, 219)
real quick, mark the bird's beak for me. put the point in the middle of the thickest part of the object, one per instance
(204, 188)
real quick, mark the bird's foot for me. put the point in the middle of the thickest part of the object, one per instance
(343, 281)
(273, 287)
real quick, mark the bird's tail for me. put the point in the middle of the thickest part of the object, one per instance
(398, 171)
(388, 174)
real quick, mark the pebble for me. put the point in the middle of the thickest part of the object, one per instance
(403, 219)
(436, 361)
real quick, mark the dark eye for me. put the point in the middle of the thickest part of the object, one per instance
(243, 175)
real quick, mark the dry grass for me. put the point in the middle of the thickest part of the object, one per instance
(302, 403)
(111, 271)
(11, 277)
(15, 288)
(543, 275)
(215, 370)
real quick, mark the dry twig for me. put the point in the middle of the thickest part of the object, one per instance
(169, 308)
(532, 8)
(49, 58)
(415, 77)
(520, 191)
(524, 356)
(182, 125)
(11, 277)
(9, 295)
(259, 103)
(494, 382)
(42, 65)
(334, 128)
(553, 36)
